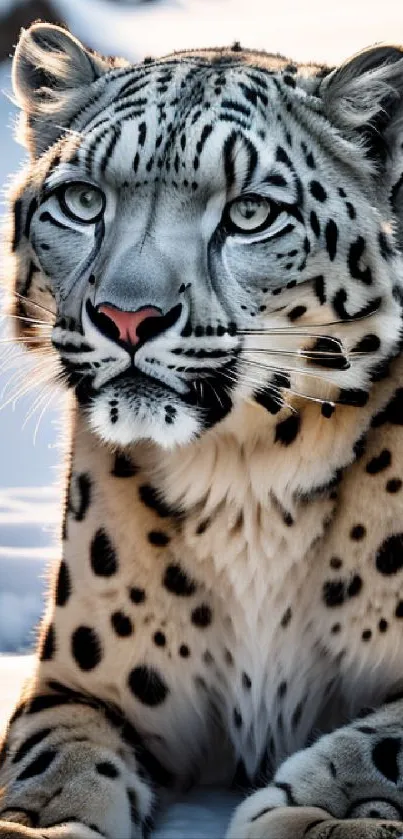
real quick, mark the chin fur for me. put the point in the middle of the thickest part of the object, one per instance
(166, 424)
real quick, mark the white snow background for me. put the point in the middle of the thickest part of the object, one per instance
(30, 468)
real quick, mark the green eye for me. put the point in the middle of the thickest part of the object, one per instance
(249, 213)
(82, 202)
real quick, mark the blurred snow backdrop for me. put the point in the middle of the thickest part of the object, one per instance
(302, 29)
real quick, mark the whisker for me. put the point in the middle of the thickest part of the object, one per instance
(257, 383)
(301, 328)
(34, 303)
(27, 319)
(44, 409)
(27, 340)
(33, 382)
(277, 369)
(9, 353)
(300, 353)
(36, 404)
(292, 391)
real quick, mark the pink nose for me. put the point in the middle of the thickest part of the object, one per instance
(128, 322)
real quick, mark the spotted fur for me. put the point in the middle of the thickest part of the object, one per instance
(228, 604)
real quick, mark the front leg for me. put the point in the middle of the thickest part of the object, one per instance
(349, 785)
(72, 768)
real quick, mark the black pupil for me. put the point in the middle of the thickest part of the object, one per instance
(87, 199)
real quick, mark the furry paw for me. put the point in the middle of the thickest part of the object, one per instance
(310, 823)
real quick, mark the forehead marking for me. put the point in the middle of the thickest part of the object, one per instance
(199, 82)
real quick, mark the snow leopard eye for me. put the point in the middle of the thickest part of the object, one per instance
(249, 214)
(82, 202)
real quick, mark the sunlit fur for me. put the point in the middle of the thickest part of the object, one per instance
(230, 586)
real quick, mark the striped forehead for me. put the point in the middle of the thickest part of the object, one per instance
(155, 123)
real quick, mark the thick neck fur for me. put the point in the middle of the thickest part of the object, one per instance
(239, 520)
(252, 486)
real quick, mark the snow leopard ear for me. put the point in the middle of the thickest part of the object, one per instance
(51, 74)
(364, 96)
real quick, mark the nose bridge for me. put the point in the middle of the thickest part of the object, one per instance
(137, 276)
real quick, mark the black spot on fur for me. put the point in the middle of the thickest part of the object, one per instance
(104, 561)
(83, 484)
(108, 769)
(351, 210)
(331, 236)
(151, 498)
(246, 681)
(237, 718)
(30, 742)
(315, 224)
(369, 343)
(389, 556)
(137, 595)
(393, 412)
(317, 191)
(63, 585)
(379, 463)
(184, 651)
(339, 300)
(355, 397)
(327, 410)
(335, 563)
(202, 616)
(123, 467)
(17, 224)
(336, 592)
(296, 313)
(355, 254)
(268, 400)
(319, 288)
(48, 647)
(158, 538)
(384, 246)
(393, 485)
(178, 582)
(38, 766)
(142, 133)
(285, 620)
(159, 639)
(44, 702)
(355, 586)
(282, 689)
(287, 430)
(357, 532)
(86, 648)
(147, 686)
(360, 446)
(202, 527)
(121, 624)
(385, 757)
